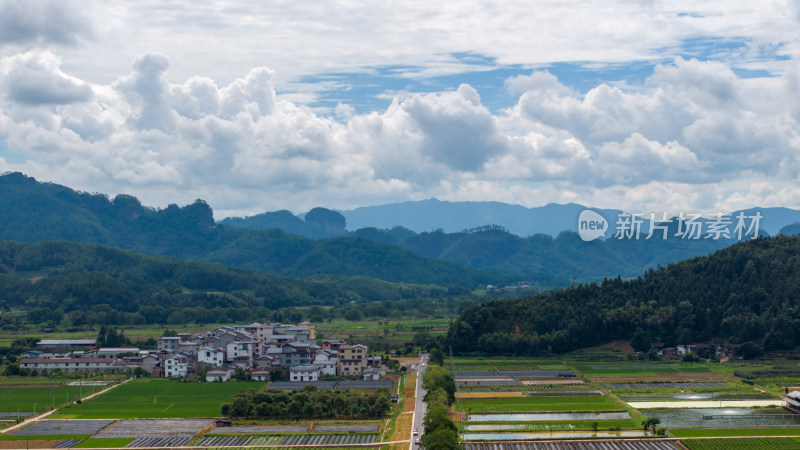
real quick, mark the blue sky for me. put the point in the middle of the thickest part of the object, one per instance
(644, 106)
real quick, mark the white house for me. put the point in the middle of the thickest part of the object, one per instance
(221, 373)
(373, 373)
(176, 367)
(304, 373)
(326, 361)
(260, 375)
(238, 349)
(213, 356)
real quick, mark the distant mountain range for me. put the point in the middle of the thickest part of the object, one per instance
(318, 243)
(31, 211)
(552, 219)
(453, 217)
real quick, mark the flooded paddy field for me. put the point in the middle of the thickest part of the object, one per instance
(544, 417)
(723, 418)
(554, 435)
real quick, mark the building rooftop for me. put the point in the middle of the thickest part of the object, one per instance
(45, 342)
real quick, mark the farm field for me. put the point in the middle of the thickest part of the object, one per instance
(104, 443)
(158, 398)
(595, 445)
(30, 398)
(725, 432)
(532, 404)
(743, 444)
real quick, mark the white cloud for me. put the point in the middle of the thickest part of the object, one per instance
(25, 22)
(35, 78)
(224, 117)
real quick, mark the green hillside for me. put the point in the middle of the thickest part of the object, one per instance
(94, 284)
(31, 211)
(747, 292)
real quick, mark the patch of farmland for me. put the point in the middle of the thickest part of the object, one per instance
(595, 445)
(258, 429)
(225, 441)
(91, 383)
(337, 439)
(743, 444)
(157, 428)
(97, 442)
(538, 373)
(516, 394)
(569, 381)
(684, 385)
(51, 427)
(158, 398)
(364, 384)
(159, 442)
(346, 428)
(316, 440)
(475, 374)
(505, 382)
(298, 385)
(68, 443)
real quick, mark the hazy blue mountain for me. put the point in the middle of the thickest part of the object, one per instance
(433, 214)
(452, 217)
(792, 229)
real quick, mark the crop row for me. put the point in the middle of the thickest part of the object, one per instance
(596, 445)
(304, 439)
(743, 444)
(526, 387)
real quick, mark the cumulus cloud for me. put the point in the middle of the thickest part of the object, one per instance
(36, 78)
(681, 139)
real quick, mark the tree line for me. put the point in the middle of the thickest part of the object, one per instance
(308, 403)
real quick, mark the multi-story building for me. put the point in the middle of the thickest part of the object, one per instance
(351, 360)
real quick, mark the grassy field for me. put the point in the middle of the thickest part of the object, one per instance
(158, 398)
(104, 443)
(736, 432)
(532, 404)
(37, 396)
(43, 437)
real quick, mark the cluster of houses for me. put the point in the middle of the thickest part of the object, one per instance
(257, 349)
(680, 350)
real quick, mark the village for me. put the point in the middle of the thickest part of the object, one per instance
(252, 351)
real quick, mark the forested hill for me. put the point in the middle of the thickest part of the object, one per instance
(77, 284)
(747, 292)
(31, 211)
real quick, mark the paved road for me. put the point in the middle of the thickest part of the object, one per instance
(420, 406)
